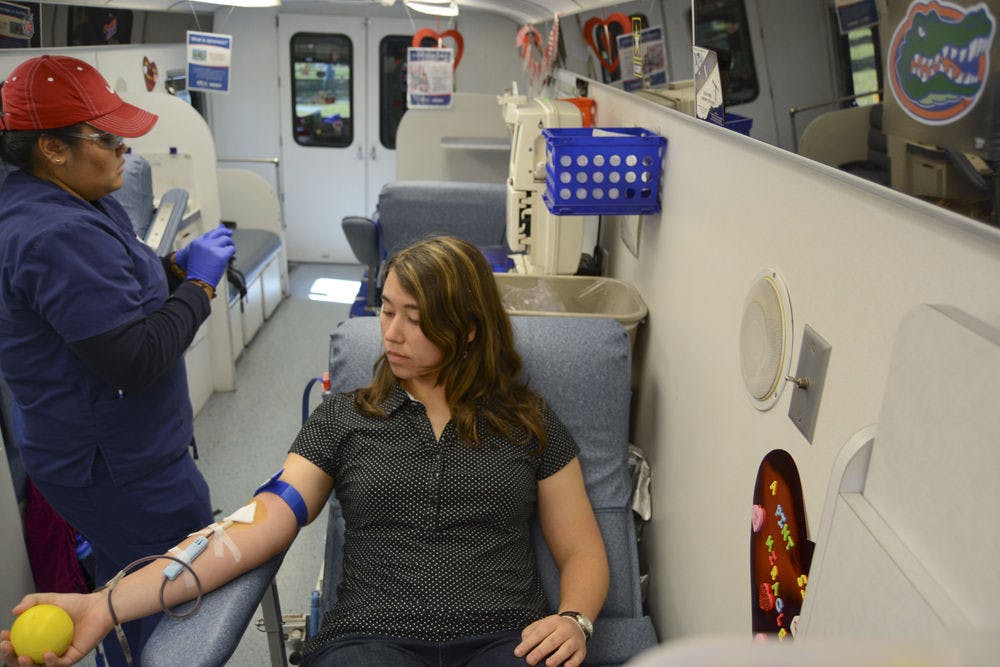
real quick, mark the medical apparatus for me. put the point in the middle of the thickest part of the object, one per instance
(551, 244)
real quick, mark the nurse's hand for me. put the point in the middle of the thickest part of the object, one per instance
(208, 256)
(213, 236)
(91, 622)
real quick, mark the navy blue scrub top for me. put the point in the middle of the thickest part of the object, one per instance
(70, 270)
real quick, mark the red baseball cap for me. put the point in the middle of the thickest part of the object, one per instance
(50, 92)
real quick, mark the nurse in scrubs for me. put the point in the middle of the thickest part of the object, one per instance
(93, 325)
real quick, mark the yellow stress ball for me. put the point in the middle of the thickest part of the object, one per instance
(42, 628)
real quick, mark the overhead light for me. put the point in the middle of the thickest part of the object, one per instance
(245, 3)
(434, 7)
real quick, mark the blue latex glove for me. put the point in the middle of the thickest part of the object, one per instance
(181, 256)
(208, 255)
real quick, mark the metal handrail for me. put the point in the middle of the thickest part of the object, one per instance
(263, 160)
(793, 111)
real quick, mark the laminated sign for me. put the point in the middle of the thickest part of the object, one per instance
(430, 77)
(209, 58)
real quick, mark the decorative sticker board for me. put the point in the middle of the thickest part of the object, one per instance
(780, 553)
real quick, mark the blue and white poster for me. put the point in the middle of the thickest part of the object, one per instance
(430, 77)
(209, 59)
(649, 59)
(17, 26)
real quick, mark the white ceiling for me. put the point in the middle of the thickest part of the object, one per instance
(522, 11)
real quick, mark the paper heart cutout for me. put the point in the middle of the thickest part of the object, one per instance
(419, 36)
(606, 38)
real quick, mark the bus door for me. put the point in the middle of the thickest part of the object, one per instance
(335, 154)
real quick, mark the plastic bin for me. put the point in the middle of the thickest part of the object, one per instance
(738, 123)
(572, 296)
(602, 171)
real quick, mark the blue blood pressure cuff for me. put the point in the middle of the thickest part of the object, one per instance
(289, 494)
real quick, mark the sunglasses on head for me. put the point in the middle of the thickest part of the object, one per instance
(104, 139)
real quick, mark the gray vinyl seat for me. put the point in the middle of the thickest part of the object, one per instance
(254, 249)
(875, 166)
(411, 210)
(564, 359)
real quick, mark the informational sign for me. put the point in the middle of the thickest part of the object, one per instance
(17, 26)
(854, 14)
(430, 77)
(209, 59)
(708, 100)
(780, 553)
(939, 59)
(649, 59)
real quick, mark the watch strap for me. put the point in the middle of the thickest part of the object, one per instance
(581, 620)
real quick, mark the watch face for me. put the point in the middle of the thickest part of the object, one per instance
(582, 621)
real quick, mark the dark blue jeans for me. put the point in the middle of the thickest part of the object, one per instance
(495, 650)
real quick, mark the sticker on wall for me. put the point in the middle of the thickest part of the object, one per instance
(149, 73)
(780, 554)
(939, 59)
(18, 26)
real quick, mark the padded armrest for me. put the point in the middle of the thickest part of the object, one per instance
(211, 634)
(167, 221)
(362, 235)
(618, 640)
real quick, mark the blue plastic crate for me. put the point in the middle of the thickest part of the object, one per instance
(602, 171)
(739, 123)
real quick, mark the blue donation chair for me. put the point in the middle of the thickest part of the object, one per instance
(410, 210)
(567, 359)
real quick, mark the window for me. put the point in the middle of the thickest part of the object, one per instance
(322, 81)
(392, 86)
(858, 51)
(721, 25)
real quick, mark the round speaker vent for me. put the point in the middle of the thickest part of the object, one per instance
(766, 339)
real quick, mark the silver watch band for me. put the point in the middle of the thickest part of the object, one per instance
(581, 620)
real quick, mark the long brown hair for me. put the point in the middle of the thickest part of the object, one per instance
(454, 288)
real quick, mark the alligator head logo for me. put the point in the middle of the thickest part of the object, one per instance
(938, 60)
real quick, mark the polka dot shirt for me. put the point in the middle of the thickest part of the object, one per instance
(437, 541)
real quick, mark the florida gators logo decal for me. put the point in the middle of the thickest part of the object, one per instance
(939, 59)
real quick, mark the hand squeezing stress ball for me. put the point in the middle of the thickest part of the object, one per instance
(40, 629)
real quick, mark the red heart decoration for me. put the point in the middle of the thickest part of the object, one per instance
(149, 73)
(419, 36)
(605, 37)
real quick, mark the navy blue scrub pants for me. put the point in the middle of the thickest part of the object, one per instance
(144, 517)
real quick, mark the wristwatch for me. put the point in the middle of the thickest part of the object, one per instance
(581, 619)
